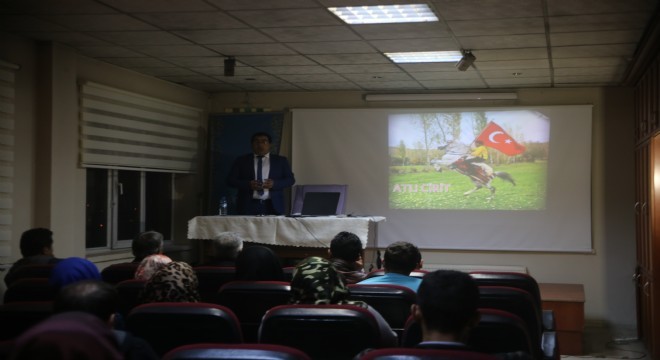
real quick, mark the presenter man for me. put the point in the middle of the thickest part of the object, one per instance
(260, 178)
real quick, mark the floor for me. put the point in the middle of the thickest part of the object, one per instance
(599, 344)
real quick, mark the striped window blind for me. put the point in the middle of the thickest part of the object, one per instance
(125, 130)
(7, 99)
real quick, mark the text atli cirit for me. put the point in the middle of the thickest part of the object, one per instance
(413, 188)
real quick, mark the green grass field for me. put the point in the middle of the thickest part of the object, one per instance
(444, 190)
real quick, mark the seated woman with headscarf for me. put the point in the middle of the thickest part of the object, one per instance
(150, 265)
(176, 282)
(316, 282)
(258, 263)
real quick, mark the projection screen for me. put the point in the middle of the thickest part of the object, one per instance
(426, 172)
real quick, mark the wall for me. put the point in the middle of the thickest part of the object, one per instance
(50, 184)
(605, 273)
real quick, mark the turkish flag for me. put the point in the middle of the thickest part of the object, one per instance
(495, 137)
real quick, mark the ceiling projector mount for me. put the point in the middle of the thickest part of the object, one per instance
(466, 61)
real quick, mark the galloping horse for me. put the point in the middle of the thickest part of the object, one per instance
(481, 175)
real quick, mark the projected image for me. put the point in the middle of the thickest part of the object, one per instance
(490, 160)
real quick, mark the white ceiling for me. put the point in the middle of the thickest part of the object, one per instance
(298, 45)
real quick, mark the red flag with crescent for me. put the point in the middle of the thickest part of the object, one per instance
(495, 137)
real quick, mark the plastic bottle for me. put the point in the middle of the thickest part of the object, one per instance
(223, 206)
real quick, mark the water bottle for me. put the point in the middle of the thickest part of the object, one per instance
(223, 206)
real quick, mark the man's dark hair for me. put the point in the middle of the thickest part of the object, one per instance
(147, 243)
(346, 246)
(91, 296)
(448, 300)
(33, 241)
(402, 257)
(261, 133)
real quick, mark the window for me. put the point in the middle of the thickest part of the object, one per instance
(122, 203)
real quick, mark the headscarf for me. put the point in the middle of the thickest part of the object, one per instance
(150, 265)
(315, 281)
(68, 336)
(71, 270)
(258, 263)
(176, 282)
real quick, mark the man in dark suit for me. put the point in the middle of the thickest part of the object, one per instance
(260, 178)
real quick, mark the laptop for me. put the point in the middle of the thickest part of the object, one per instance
(320, 204)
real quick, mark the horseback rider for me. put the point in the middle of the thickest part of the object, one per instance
(478, 155)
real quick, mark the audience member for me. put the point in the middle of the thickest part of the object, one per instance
(150, 265)
(316, 282)
(346, 257)
(258, 263)
(36, 248)
(176, 282)
(100, 299)
(447, 309)
(224, 249)
(68, 336)
(145, 244)
(71, 270)
(399, 260)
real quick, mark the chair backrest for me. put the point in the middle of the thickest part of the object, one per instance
(168, 325)
(129, 292)
(235, 352)
(518, 302)
(391, 301)
(250, 300)
(424, 354)
(511, 279)
(211, 278)
(116, 273)
(30, 289)
(16, 317)
(380, 272)
(30, 271)
(321, 331)
(288, 272)
(497, 332)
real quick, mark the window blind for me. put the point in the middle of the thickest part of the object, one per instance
(121, 129)
(7, 99)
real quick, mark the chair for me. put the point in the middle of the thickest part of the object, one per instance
(521, 303)
(168, 325)
(129, 292)
(30, 289)
(16, 317)
(211, 278)
(497, 332)
(322, 331)
(380, 272)
(521, 281)
(391, 301)
(30, 271)
(116, 273)
(250, 300)
(424, 354)
(288, 272)
(235, 352)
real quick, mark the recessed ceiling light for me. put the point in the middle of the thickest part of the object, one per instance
(383, 14)
(425, 56)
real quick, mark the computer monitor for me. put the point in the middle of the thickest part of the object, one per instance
(323, 196)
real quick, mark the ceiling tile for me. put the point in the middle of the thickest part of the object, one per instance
(572, 7)
(507, 54)
(297, 70)
(141, 38)
(512, 64)
(165, 71)
(148, 6)
(509, 74)
(488, 9)
(498, 26)
(69, 38)
(596, 37)
(350, 59)
(390, 85)
(445, 75)
(312, 78)
(598, 22)
(142, 62)
(230, 36)
(174, 50)
(390, 76)
(332, 47)
(212, 87)
(261, 79)
(329, 86)
(453, 84)
(197, 61)
(100, 22)
(520, 81)
(625, 50)
(404, 45)
(220, 70)
(270, 87)
(612, 71)
(276, 60)
(27, 23)
(316, 33)
(288, 17)
(429, 67)
(187, 78)
(585, 79)
(588, 62)
(503, 41)
(402, 31)
(108, 51)
(192, 20)
(262, 4)
(252, 49)
(58, 7)
(369, 69)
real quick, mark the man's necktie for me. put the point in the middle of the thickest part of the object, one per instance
(260, 176)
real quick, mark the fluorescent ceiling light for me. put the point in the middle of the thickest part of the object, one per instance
(442, 97)
(425, 56)
(383, 14)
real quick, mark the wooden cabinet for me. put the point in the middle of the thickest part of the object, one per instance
(567, 303)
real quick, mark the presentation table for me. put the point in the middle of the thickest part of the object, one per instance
(306, 233)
